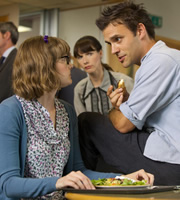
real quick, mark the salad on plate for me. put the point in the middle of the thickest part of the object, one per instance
(118, 181)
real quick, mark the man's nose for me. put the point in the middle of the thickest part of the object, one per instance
(114, 49)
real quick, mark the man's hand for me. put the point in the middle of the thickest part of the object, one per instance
(117, 96)
(125, 95)
(119, 121)
(142, 175)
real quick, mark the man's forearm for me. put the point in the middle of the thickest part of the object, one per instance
(119, 121)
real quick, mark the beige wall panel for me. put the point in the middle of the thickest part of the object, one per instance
(12, 12)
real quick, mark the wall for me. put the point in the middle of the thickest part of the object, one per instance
(77, 23)
(12, 12)
(35, 28)
(169, 10)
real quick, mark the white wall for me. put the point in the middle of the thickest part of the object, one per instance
(77, 23)
(35, 30)
(169, 11)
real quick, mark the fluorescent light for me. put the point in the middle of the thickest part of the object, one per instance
(24, 29)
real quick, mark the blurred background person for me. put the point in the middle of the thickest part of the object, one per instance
(8, 38)
(90, 93)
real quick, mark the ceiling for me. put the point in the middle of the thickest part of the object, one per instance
(27, 6)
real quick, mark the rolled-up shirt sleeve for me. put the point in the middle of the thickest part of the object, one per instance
(129, 114)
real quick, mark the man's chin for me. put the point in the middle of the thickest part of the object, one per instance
(125, 65)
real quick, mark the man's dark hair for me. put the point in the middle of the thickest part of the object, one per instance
(126, 13)
(10, 27)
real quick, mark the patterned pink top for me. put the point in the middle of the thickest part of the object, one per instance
(48, 149)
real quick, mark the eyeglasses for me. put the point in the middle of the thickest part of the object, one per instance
(66, 58)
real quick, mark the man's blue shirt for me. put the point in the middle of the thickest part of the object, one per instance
(154, 102)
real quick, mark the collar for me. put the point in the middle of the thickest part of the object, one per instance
(157, 45)
(104, 85)
(8, 51)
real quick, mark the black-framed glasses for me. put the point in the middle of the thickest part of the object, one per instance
(67, 58)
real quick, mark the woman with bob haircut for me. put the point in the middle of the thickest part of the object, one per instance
(39, 149)
(91, 92)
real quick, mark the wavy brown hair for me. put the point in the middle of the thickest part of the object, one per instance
(34, 70)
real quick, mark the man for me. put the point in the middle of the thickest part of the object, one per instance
(142, 132)
(8, 39)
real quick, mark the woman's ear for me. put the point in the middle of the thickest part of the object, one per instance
(101, 53)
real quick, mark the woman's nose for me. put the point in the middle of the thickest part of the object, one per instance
(85, 60)
(70, 65)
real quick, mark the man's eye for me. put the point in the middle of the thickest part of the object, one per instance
(118, 39)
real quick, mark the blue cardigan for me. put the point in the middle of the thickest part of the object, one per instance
(13, 145)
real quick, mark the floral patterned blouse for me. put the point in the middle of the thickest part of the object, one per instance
(48, 148)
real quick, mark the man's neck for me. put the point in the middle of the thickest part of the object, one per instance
(6, 47)
(145, 48)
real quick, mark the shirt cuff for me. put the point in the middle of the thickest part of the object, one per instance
(129, 114)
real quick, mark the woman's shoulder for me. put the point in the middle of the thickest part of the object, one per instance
(81, 84)
(11, 113)
(11, 104)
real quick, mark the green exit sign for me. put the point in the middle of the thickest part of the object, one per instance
(156, 20)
